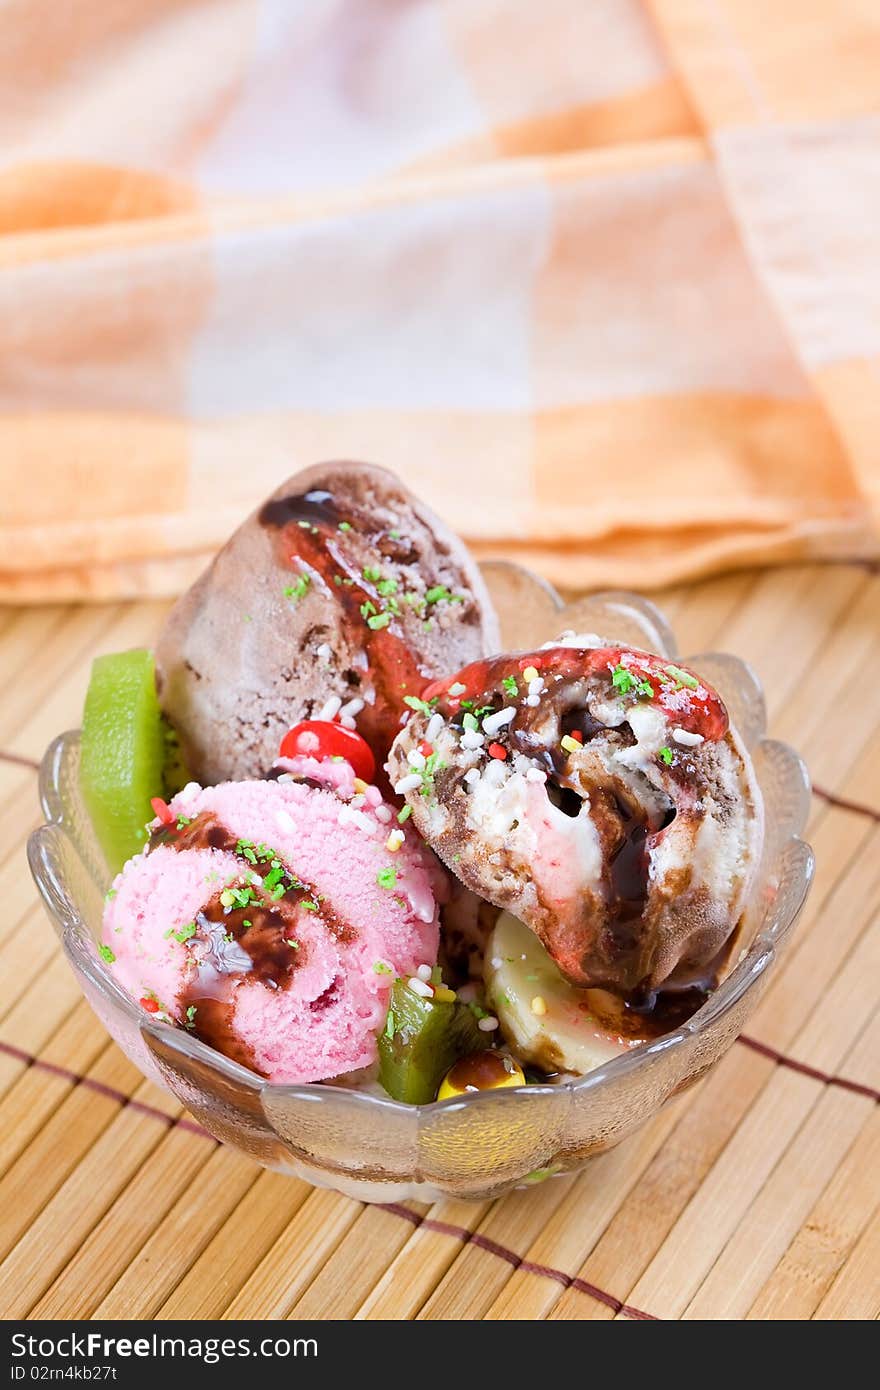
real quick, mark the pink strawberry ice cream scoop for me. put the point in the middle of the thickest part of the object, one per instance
(270, 919)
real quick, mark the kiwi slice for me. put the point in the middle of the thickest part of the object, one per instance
(123, 751)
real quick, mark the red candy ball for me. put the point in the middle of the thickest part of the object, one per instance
(319, 738)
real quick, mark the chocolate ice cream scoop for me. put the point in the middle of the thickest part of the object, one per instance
(341, 596)
(599, 794)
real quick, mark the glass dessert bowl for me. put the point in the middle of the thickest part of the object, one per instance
(487, 1142)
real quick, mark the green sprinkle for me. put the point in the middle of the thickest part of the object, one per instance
(540, 1174)
(367, 608)
(386, 587)
(185, 932)
(404, 814)
(439, 592)
(433, 764)
(421, 706)
(665, 755)
(510, 686)
(190, 1017)
(183, 822)
(477, 1010)
(246, 922)
(381, 968)
(380, 620)
(428, 624)
(246, 617)
(470, 722)
(345, 526)
(436, 975)
(622, 680)
(291, 942)
(106, 954)
(683, 677)
(387, 877)
(297, 590)
(337, 579)
(309, 905)
(395, 534)
(110, 895)
(390, 1024)
(371, 574)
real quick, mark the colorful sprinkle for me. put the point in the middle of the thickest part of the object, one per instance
(162, 810)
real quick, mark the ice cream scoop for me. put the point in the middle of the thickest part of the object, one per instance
(271, 918)
(338, 598)
(599, 794)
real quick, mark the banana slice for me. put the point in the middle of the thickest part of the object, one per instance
(546, 1020)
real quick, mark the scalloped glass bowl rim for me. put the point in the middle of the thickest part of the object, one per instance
(758, 956)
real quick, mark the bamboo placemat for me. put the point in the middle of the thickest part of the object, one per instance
(754, 1195)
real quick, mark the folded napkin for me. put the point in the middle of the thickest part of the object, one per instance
(599, 280)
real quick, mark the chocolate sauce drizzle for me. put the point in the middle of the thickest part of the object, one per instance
(308, 526)
(256, 940)
(626, 832)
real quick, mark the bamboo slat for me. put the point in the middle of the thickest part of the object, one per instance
(827, 1236)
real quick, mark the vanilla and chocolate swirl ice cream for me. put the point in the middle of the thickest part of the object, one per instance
(338, 597)
(599, 794)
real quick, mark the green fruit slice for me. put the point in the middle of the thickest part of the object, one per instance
(422, 1039)
(122, 751)
(545, 1019)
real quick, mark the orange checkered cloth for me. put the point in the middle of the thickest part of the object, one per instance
(598, 277)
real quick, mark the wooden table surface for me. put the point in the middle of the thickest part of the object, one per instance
(754, 1195)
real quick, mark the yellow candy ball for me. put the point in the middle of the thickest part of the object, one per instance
(482, 1071)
